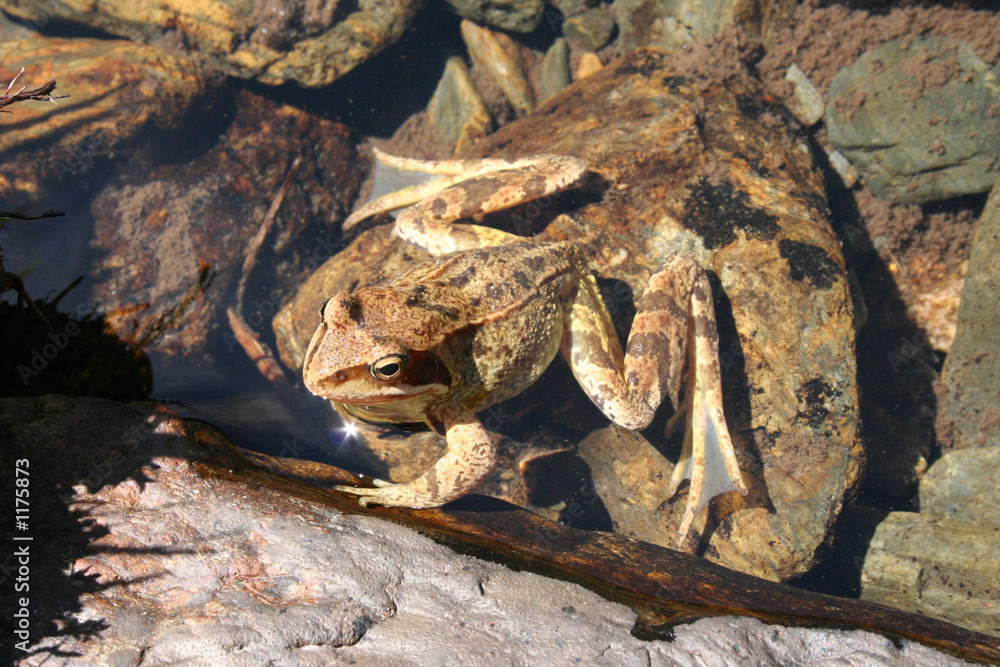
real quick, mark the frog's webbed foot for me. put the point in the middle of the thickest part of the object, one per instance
(708, 458)
(470, 456)
(464, 189)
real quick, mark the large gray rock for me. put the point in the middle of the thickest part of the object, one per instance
(970, 408)
(918, 119)
(151, 557)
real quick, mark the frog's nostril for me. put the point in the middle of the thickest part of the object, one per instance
(340, 376)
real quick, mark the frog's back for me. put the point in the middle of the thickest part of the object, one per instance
(495, 277)
(515, 298)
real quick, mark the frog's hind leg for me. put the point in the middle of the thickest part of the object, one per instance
(467, 188)
(673, 332)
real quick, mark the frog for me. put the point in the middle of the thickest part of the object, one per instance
(482, 320)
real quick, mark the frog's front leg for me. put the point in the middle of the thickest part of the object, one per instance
(470, 455)
(674, 329)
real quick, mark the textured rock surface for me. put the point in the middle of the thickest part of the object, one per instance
(273, 41)
(497, 54)
(456, 108)
(141, 554)
(671, 24)
(165, 231)
(117, 90)
(918, 117)
(556, 73)
(962, 485)
(590, 29)
(971, 405)
(944, 560)
(708, 168)
(513, 15)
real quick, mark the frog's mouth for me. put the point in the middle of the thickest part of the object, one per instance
(378, 417)
(408, 408)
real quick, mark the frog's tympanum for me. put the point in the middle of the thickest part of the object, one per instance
(481, 323)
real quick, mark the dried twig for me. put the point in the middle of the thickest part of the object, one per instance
(41, 94)
(253, 248)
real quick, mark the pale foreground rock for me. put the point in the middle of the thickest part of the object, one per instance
(144, 556)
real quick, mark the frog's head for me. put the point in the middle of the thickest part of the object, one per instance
(370, 350)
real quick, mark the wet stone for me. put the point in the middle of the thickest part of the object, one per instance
(590, 29)
(556, 73)
(918, 119)
(970, 409)
(312, 43)
(456, 108)
(121, 94)
(943, 561)
(660, 171)
(807, 102)
(174, 237)
(671, 24)
(496, 53)
(514, 15)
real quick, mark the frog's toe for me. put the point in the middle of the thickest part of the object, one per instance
(387, 494)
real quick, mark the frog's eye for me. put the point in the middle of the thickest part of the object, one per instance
(388, 366)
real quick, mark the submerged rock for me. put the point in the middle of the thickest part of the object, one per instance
(591, 29)
(970, 408)
(513, 15)
(918, 117)
(456, 108)
(556, 73)
(174, 238)
(119, 92)
(711, 169)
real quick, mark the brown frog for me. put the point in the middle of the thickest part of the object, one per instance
(482, 322)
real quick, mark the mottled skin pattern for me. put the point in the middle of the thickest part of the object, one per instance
(453, 336)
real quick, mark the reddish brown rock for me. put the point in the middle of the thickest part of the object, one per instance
(273, 41)
(713, 169)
